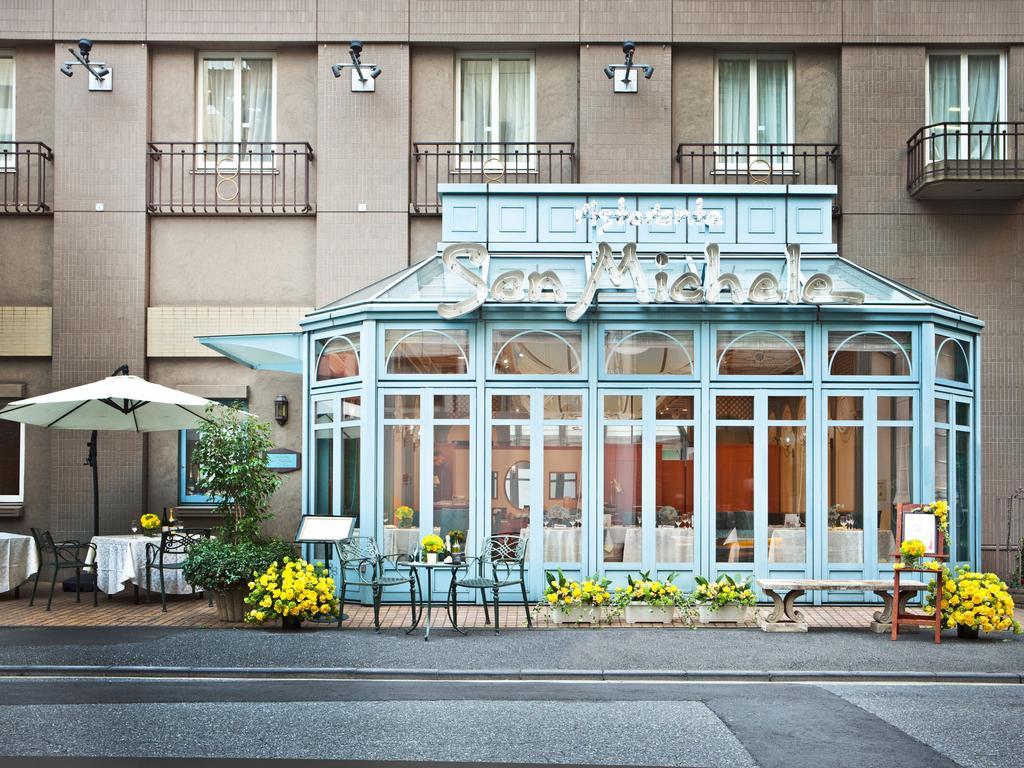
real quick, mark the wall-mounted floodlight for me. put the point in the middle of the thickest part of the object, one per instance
(360, 82)
(99, 73)
(620, 74)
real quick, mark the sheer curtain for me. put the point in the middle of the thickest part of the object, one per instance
(773, 107)
(733, 103)
(514, 102)
(6, 102)
(219, 116)
(983, 90)
(476, 101)
(944, 92)
(257, 104)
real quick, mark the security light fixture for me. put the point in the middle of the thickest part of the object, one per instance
(619, 74)
(281, 409)
(360, 82)
(98, 71)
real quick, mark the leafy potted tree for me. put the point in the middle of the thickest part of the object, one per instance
(231, 455)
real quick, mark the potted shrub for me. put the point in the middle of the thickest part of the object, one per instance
(649, 601)
(226, 569)
(231, 455)
(972, 602)
(574, 602)
(725, 600)
(293, 592)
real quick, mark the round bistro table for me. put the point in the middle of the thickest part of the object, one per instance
(428, 569)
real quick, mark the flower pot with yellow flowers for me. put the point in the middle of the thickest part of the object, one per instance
(576, 602)
(726, 600)
(650, 601)
(911, 552)
(292, 592)
(973, 603)
(431, 547)
(150, 524)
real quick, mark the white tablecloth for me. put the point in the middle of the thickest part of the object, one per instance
(121, 561)
(399, 541)
(671, 545)
(18, 560)
(845, 545)
(787, 545)
(561, 545)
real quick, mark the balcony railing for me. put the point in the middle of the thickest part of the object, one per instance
(194, 178)
(987, 155)
(26, 177)
(453, 162)
(758, 163)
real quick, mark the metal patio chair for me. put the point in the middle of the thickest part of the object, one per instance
(375, 570)
(175, 544)
(62, 556)
(501, 563)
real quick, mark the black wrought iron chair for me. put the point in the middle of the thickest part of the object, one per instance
(169, 555)
(501, 563)
(63, 556)
(359, 555)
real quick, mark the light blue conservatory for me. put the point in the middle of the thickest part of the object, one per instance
(652, 377)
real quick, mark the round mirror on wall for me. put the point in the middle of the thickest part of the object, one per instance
(517, 484)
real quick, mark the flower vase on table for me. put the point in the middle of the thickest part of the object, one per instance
(150, 524)
(431, 546)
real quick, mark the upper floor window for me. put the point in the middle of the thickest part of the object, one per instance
(755, 100)
(237, 104)
(12, 460)
(6, 100)
(495, 98)
(967, 87)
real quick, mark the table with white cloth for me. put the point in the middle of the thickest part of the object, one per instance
(561, 545)
(402, 541)
(671, 544)
(121, 560)
(845, 545)
(19, 559)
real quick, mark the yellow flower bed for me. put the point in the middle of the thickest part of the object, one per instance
(296, 588)
(975, 600)
(725, 591)
(563, 594)
(648, 591)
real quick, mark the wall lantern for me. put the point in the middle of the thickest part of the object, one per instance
(100, 77)
(621, 75)
(360, 82)
(281, 409)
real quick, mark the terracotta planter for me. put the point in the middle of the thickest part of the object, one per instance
(231, 604)
(727, 614)
(967, 633)
(578, 614)
(639, 613)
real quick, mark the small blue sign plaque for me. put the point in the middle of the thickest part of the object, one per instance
(284, 460)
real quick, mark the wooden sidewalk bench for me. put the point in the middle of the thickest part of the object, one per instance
(785, 617)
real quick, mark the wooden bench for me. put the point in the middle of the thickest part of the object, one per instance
(785, 617)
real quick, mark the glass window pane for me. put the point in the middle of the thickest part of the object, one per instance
(983, 106)
(350, 441)
(942, 464)
(323, 411)
(351, 408)
(10, 457)
(787, 494)
(674, 407)
(845, 494)
(427, 352)
(846, 408)
(451, 407)
(324, 461)
(772, 102)
(337, 358)
(895, 481)
(734, 408)
(623, 483)
(787, 407)
(537, 353)
(898, 408)
(963, 495)
(760, 353)
(563, 452)
(475, 102)
(869, 354)
(219, 103)
(942, 411)
(514, 101)
(734, 494)
(649, 353)
(963, 414)
(258, 104)
(401, 491)
(510, 480)
(563, 407)
(951, 362)
(401, 406)
(674, 494)
(623, 406)
(6, 99)
(453, 470)
(945, 99)
(510, 406)
(733, 101)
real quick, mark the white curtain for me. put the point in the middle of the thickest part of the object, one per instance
(773, 106)
(733, 103)
(6, 102)
(476, 100)
(257, 103)
(983, 90)
(514, 101)
(219, 114)
(944, 92)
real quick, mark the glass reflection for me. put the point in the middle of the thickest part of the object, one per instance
(563, 452)
(427, 352)
(673, 494)
(453, 468)
(895, 480)
(651, 353)
(324, 461)
(869, 354)
(623, 483)
(734, 494)
(401, 488)
(845, 494)
(338, 358)
(787, 494)
(537, 353)
(963, 495)
(759, 353)
(510, 462)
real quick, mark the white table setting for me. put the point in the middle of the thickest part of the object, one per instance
(121, 560)
(561, 544)
(19, 560)
(671, 544)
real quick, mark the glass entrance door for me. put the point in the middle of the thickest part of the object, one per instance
(537, 463)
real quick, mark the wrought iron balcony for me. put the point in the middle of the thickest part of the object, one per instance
(758, 163)
(454, 162)
(963, 160)
(26, 177)
(193, 178)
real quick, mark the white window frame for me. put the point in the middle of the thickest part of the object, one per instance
(526, 164)
(740, 164)
(964, 53)
(231, 161)
(11, 162)
(19, 497)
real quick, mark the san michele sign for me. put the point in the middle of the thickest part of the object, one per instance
(471, 261)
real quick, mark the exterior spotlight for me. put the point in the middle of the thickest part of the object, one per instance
(619, 74)
(65, 69)
(360, 82)
(281, 409)
(97, 69)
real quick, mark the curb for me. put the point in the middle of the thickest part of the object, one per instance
(480, 675)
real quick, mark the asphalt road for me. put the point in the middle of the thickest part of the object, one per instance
(600, 723)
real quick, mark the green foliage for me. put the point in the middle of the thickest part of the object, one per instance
(219, 566)
(725, 591)
(231, 454)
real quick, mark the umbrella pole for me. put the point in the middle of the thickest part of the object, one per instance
(91, 461)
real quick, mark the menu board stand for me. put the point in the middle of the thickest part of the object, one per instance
(327, 530)
(912, 523)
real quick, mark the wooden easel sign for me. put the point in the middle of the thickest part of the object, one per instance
(923, 526)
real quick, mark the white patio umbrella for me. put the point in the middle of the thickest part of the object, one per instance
(120, 402)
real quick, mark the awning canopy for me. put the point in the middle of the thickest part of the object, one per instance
(260, 351)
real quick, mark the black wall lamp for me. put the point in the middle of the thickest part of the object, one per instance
(281, 409)
(360, 82)
(100, 78)
(620, 74)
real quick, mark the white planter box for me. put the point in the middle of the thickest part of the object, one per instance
(638, 613)
(578, 614)
(727, 614)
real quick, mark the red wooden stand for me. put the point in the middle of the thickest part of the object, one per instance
(900, 615)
